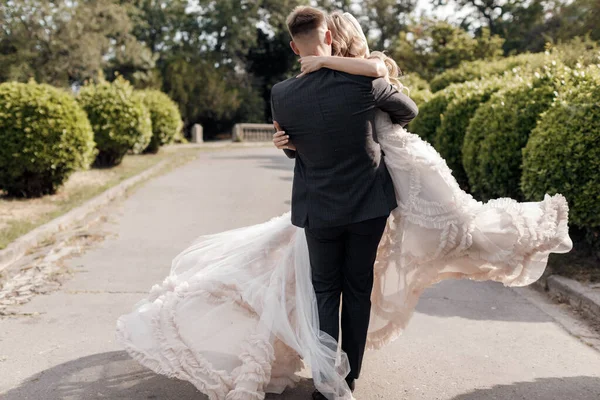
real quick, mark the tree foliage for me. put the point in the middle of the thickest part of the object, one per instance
(431, 47)
(527, 25)
(62, 42)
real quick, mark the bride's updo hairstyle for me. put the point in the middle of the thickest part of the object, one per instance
(349, 41)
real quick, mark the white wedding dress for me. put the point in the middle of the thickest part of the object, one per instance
(237, 315)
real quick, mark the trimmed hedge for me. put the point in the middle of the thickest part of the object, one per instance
(450, 134)
(499, 131)
(482, 69)
(432, 110)
(120, 121)
(44, 137)
(420, 97)
(165, 117)
(428, 119)
(563, 153)
(582, 51)
(414, 82)
(418, 88)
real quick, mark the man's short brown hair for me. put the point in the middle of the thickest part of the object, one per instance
(304, 20)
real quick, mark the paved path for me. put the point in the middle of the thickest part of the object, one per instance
(468, 341)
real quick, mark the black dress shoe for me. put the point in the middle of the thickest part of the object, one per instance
(351, 384)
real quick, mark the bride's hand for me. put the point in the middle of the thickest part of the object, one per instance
(311, 64)
(281, 140)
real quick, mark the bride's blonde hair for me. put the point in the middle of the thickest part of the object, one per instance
(348, 41)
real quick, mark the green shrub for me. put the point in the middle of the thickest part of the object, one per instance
(44, 137)
(420, 97)
(450, 133)
(431, 111)
(165, 117)
(482, 69)
(428, 119)
(414, 82)
(563, 153)
(417, 88)
(499, 131)
(120, 121)
(583, 51)
(180, 138)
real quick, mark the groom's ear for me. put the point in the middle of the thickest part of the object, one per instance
(328, 38)
(294, 48)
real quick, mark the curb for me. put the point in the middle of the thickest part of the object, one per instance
(23, 244)
(577, 295)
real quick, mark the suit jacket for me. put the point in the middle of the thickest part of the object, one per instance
(339, 177)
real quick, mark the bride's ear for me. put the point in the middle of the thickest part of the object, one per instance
(294, 48)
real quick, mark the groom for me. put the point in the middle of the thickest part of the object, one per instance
(342, 192)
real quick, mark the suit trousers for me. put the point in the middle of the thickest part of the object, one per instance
(341, 260)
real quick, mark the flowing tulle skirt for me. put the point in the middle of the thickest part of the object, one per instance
(237, 315)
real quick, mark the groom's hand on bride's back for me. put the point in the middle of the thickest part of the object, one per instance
(281, 140)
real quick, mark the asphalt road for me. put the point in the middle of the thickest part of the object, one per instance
(467, 341)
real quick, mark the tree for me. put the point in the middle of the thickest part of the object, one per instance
(101, 30)
(230, 28)
(62, 42)
(335, 5)
(434, 46)
(489, 13)
(271, 60)
(386, 18)
(163, 25)
(527, 25)
(524, 28)
(204, 93)
(578, 18)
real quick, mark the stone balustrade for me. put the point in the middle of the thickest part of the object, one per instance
(253, 132)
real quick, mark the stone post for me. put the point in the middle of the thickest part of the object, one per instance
(197, 134)
(237, 133)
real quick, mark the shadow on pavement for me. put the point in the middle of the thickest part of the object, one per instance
(276, 161)
(115, 375)
(111, 375)
(574, 388)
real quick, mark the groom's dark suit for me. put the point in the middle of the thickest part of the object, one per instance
(342, 192)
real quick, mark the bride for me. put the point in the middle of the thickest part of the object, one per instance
(237, 315)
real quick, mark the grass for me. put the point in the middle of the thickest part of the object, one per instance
(20, 216)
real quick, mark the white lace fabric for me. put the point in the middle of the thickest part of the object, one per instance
(237, 315)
